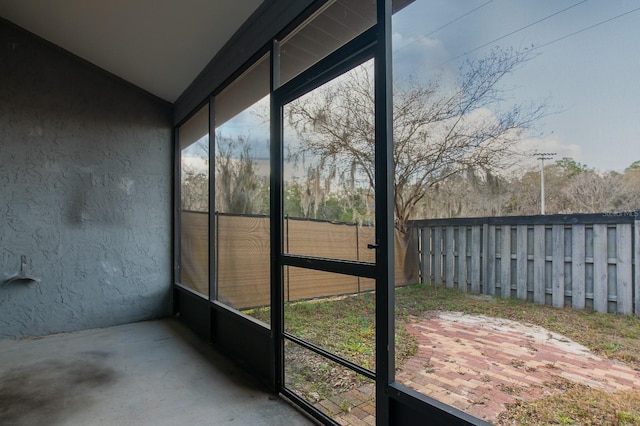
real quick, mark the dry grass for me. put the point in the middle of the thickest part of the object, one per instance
(576, 405)
(346, 327)
(609, 335)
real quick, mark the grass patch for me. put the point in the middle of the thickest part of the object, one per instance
(346, 327)
(578, 405)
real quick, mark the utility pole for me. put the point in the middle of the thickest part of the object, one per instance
(543, 156)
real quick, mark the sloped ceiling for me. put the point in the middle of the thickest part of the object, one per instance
(158, 45)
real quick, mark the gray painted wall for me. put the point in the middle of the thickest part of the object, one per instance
(85, 193)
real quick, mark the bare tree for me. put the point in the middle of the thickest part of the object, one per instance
(439, 130)
(590, 192)
(194, 177)
(194, 191)
(237, 182)
(467, 194)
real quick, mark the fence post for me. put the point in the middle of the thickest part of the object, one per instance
(491, 275)
(600, 275)
(578, 258)
(624, 268)
(461, 246)
(426, 244)
(358, 253)
(485, 259)
(449, 256)
(475, 253)
(636, 259)
(539, 260)
(505, 261)
(437, 255)
(557, 266)
(521, 262)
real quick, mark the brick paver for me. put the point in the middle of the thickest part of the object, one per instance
(479, 364)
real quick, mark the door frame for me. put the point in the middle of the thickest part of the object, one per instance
(366, 47)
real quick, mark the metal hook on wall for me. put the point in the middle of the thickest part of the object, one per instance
(23, 275)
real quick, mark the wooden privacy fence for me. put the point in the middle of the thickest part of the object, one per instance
(242, 251)
(585, 260)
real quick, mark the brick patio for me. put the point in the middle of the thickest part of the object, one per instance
(479, 364)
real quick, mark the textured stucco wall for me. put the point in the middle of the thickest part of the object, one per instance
(85, 193)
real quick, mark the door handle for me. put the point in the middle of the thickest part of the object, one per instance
(373, 246)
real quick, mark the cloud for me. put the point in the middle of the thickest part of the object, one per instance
(549, 144)
(418, 56)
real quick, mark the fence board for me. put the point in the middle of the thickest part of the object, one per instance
(636, 259)
(539, 257)
(490, 276)
(600, 278)
(557, 267)
(624, 269)
(426, 255)
(595, 262)
(323, 239)
(521, 262)
(437, 255)
(194, 251)
(577, 266)
(461, 243)
(449, 256)
(309, 283)
(505, 262)
(475, 258)
(243, 261)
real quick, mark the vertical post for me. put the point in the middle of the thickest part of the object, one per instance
(600, 275)
(419, 243)
(275, 224)
(505, 262)
(624, 269)
(385, 256)
(213, 294)
(542, 207)
(449, 256)
(557, 266)
(521, 262)
(177, 210)
(543, 156)
(539, 260)
(358, 251)
(491, 274)
(578, 258)
(461, 245)
(485, 285)
(475, 258)
(636, 260)
(213, 237)
(437, 255)
(286, 279)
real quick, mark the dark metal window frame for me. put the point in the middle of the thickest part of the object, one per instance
(395, 403)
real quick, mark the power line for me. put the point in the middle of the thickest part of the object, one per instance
(523, 28)
(458, 18)
(513, 32)
(446, 25)
(585, 29)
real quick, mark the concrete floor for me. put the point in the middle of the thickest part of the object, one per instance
(148, 373)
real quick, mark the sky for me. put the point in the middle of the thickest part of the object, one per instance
(585, 65)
